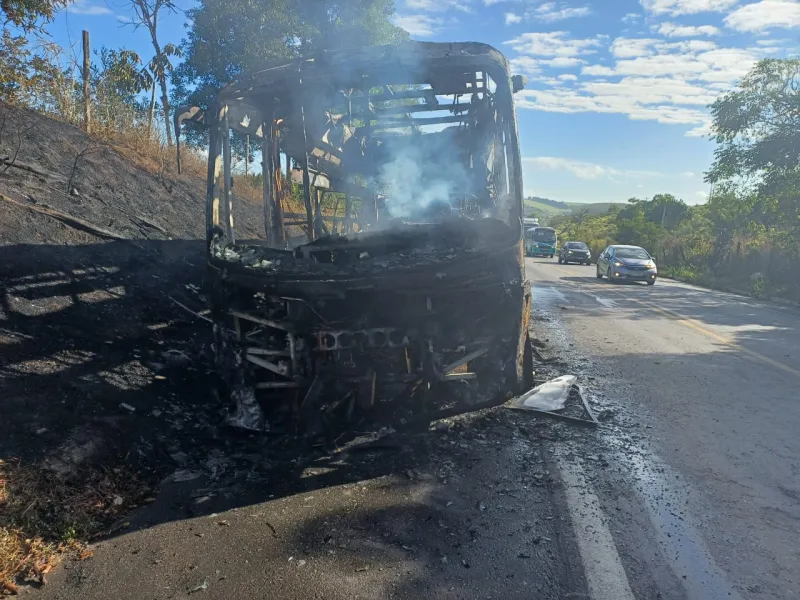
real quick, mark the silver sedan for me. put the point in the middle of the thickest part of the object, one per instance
(627, 263)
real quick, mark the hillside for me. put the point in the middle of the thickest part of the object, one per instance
(122, 188)
(556, 204)
(544, 208)
(593, 208)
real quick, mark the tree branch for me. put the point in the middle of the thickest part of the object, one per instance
(76, 222)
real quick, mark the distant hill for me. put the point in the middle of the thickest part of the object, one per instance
(557, 204)
(544, 207)
(594, 208)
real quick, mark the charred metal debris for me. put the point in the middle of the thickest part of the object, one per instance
(390, 278)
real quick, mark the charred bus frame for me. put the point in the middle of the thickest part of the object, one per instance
(331, 317)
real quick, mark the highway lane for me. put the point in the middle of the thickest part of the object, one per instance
(710, 382)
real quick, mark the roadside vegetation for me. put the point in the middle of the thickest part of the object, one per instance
(746, 237)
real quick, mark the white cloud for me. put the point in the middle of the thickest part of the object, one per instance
(675, 30)
(686, 7)
(703, 130)
(772, 46)
(438, 5)
(630, 48)
(688, 46)
(667, 82)
(553, 43)
(631, 18)
(525, 65)
(546, 81)
(582, 169)
(702, 195)
(633, 48)
(597, 70)
(648, 78)
(568, 77)
(650, 91)
(511, 18)
(688, 174)
(772, 42)
(724, 65)
(576, 101)
(549, 12)
(764, 15)
(124, 19)
(418, 25)
(85, 7)
(563, 62)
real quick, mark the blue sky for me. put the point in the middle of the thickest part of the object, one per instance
(617, 89)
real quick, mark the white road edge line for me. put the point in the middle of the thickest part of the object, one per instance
(601, 562)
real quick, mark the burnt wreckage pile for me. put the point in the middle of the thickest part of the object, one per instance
(414, 300)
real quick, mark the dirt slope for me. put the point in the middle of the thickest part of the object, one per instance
(113, 192)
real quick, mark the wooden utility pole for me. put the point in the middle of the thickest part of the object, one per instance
(87, 92)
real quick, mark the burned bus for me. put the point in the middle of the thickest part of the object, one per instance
(407, 299)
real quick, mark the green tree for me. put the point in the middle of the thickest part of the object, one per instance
(230, 37)
(640, 231)
(156, 72)
(117, 81)
(756, 168)
(756, 125)
(147, 14)
(663, 209)
(35, 76)
(14, 66)
(119, 75)
(29, 14)
(597, 231)
(756, 129)
(667, 210)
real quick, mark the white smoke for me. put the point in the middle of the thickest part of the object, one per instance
(421, 172)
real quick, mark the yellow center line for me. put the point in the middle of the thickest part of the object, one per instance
(692, 324)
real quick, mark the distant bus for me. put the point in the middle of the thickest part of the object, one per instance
(529, 222)
(541, 241)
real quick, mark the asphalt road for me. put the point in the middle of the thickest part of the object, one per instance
(713, 378)
(688, 490)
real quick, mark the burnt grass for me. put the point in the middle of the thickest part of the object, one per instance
(93, 413)
(82, 331)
